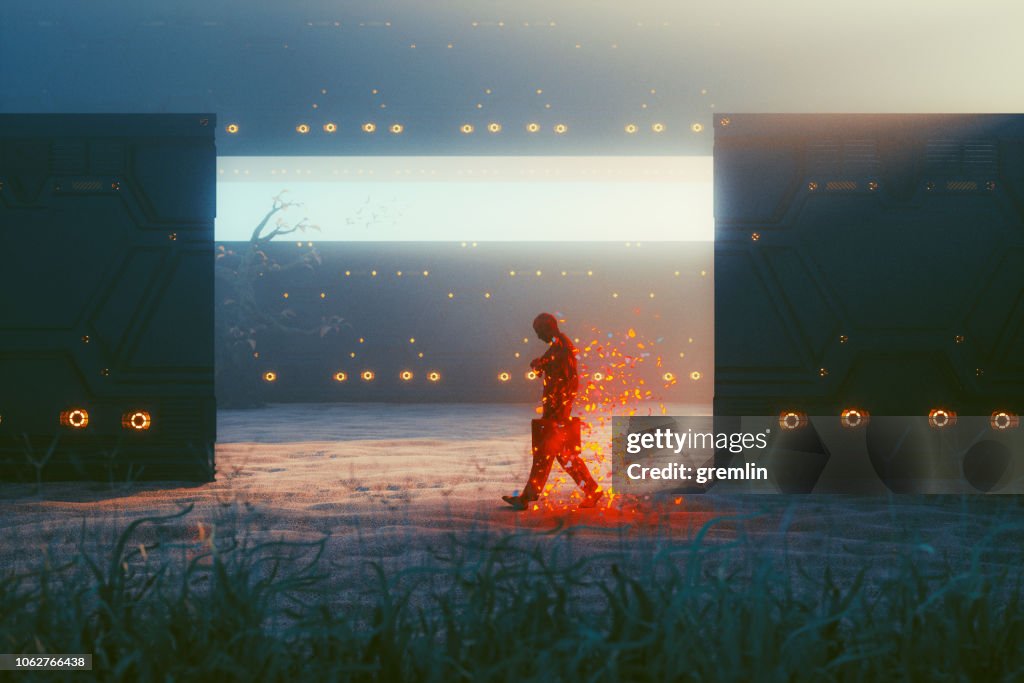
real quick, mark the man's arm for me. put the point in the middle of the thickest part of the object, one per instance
(552, 356)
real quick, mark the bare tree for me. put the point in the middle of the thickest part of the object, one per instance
(241, 314)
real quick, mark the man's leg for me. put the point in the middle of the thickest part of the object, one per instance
(545, 447)
(572, 463)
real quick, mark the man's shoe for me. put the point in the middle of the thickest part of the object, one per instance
(516, 502)
(590, 499)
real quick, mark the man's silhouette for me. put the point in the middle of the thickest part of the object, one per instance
(556, 434)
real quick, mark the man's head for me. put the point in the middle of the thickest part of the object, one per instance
(545, 326)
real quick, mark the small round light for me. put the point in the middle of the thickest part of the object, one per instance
(531, 375)
(270, 376)
(504, 377)
(368, 375)
(658, 127)
(405, 375)
(631, 128)
(561, 128)
(466, 128)
(451, 295)
(1002, 420)
(597, 376)
(412, 340)
(231, 128)
(854, 418)
(330, 127)
(76, 418)
(369, 127)
(669, 377)
(396, 128)
(434, 376)
(792, 419)
(494, 127)
(302, 128)
(340, 377)
(138, 420)
(697, 127)
(939, 418)
(532, 127)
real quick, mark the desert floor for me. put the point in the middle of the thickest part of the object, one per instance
(400, 484)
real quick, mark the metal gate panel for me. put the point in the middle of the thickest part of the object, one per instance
(106, 296)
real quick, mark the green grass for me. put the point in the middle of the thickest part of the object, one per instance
(515, 607)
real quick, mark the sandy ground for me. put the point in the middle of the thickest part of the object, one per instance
(394, 483)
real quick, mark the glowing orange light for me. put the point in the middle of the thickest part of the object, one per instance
(531, 375)
(139, 420)
(852, 418)
(270, 376)
(939, 418)
(494, 127)
(532, 127)
(466, 128)
(284, 295)
(369, 127)
(504, 377)
(397, 128)
(792, 419)
(232, 128)
(1003, 420)
(561, 128)
(598, 376)
(434, 376)
(340, 377)
(406, 375)
(76, 418)
(669, 377)
(330, 127)
(302, 128)
(368, 375)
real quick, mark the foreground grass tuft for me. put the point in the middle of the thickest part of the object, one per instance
(509, 608)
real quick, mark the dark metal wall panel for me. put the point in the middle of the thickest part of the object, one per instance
(869, 260)
(106, 294)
